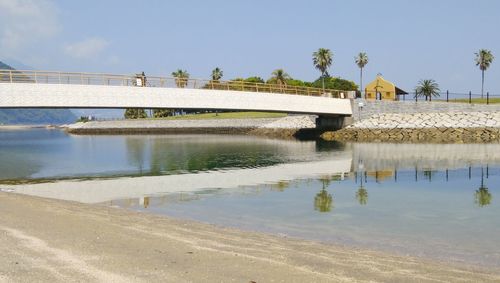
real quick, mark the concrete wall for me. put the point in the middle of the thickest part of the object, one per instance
(90, 96)
(411, 107)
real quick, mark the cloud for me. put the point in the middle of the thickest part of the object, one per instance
(24, 23)
(87, 48)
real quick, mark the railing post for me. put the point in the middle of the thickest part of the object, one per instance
(447, 96)
(416, 96)
(212, 84)
(36, 78)
(296, 90)
(256, 87)
(59, 77)
(10, 75)
(470, 97)
(487, 98)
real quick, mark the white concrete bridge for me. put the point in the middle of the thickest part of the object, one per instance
(41, 89)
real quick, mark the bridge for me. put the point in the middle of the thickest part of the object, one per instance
(46, 89)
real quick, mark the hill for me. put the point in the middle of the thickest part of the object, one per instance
(34, 116)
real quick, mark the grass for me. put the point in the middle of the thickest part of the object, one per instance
(494, 100)
(224, 115)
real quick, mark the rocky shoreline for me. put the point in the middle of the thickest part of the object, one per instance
(450, 127)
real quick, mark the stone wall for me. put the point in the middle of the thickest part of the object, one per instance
(372, 107)
(438, 127)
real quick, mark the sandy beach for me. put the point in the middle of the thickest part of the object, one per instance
(60, 241)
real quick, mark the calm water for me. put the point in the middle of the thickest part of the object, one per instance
(438, 201)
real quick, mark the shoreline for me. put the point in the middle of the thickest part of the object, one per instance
(67, 240)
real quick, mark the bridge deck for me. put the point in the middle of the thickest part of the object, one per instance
(34, 89)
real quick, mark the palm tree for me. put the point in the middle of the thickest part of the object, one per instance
(484, 58)
(361, 60)
(181, 78)
(280, 77)
(217, 74)
(428, 89)
(322, 60)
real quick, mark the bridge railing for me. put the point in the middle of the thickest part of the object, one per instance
(50, 77)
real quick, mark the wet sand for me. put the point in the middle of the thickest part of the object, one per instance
(59, 241)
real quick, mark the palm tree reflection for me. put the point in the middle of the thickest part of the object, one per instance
(323, 201)
(362, 195)
(482, 195)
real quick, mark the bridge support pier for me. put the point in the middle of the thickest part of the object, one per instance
(333, 123)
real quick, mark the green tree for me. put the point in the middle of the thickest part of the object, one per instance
(217, 74)
(181, 78)
(361, 60)
(280, 77)
(162, 113)
(428, 89)
(362, 195)
(335, 83)
(484, 58)
(322, 60)
(135, 113)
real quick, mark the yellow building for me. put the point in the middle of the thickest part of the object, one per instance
(382, 89)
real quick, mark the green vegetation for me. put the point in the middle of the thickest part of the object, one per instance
(477, 100)
(217, 74)
(427, 89)
(181, 78)
(361, 60)
(322, 60)
(484, 58)
(162, 113)
(279, 77)
(135, 113)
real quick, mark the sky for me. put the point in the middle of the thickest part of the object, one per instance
(406, 40)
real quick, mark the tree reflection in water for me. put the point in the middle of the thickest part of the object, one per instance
(482, 195)
(362, 195)
(323, 201)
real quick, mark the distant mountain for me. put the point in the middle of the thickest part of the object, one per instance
(17, 65)
(34, 116)
(4, 66)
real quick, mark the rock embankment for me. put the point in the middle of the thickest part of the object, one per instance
(423, 127)
(286, 126)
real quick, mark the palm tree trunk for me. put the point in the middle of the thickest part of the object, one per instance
(482, 84)
(361, 81)
(323, 81)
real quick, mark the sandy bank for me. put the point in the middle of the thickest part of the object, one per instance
(57, 241)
